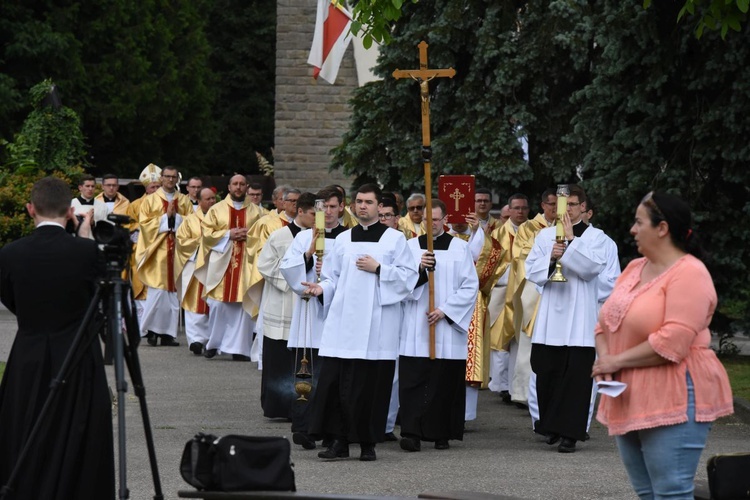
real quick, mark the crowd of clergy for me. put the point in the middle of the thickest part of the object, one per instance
(345, 319)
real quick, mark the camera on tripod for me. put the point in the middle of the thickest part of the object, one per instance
(114, 239)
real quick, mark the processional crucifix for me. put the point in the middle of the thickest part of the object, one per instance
(422, 76)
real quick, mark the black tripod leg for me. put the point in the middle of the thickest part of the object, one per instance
(115, 314)
(84, 336)
(130, 354)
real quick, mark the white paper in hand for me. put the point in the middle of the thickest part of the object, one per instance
(611, 388)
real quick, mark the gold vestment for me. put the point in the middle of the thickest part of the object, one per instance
(489, 269)
(226, 275)
(188, 240)
(154, 252)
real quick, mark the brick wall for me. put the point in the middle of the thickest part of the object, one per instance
(311, 116)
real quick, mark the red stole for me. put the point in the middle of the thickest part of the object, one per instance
(170, 247)
(202, 307)
(234, 269)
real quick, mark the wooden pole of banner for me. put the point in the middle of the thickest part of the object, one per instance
(422, 76)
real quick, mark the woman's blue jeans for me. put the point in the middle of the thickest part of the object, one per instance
(661, 462)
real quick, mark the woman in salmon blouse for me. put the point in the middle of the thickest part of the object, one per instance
(653, 335)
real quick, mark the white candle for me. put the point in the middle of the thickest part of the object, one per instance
(562, 207)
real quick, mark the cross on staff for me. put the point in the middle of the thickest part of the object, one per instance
(422, 76)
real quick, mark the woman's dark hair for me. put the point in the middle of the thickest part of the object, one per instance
(676, 213)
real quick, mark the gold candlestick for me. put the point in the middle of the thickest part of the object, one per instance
(563, 191)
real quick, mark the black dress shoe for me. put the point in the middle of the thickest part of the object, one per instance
(196, 348)
(210, 353)
(339, 449)
(552, 438)
(304, 440)
(168, 341)
(240, 357)
(410, 444)
(151, 338)
(442, 444)
(389, 436)
(368, 453)
(505, 396)
(567, 445)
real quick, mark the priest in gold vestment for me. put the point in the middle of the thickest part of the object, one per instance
(488, 257)
(501, 364)
(225, 269)
(161, 213)
(189, 289)
(151, 179)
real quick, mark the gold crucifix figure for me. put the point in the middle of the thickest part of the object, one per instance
(422, 76)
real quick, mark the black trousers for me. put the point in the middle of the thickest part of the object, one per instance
(351, 401)
(563, 388)
(432, 398)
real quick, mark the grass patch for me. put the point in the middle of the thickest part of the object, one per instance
(738, 368)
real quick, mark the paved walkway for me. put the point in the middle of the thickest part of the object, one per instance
(499, 453)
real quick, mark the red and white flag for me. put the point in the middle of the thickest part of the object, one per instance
(332, 37)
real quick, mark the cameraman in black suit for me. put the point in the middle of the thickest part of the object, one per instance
(47, 280)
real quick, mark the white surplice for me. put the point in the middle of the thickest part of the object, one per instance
(363, 309)
(456, 286)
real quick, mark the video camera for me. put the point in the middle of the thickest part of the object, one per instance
(114, 239)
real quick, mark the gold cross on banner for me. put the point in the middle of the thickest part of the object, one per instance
(423, 75)
(457, 195)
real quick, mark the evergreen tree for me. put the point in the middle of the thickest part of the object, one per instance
(667, 111)
(517, 65)
(618, 98)
(136, 72)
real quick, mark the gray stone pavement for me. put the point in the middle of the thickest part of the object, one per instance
(499, 453)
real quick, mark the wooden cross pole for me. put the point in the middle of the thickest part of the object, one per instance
(422, 76)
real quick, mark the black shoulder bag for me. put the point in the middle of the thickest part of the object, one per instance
(238, 463)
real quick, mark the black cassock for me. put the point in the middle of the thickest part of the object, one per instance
(47, 280)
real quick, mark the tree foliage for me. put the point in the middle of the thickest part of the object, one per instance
(374, 19)
(50, 143)
(667, 111)
(144, 79)
(243, 35)
(516, 70)
(715, 15)
(609, 94)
